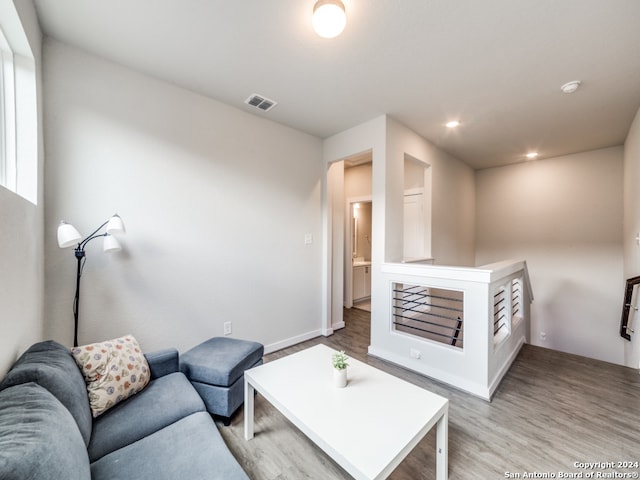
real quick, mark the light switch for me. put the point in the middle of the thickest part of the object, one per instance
(308, 238)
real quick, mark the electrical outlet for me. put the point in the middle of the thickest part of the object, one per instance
(227, 328)
(543, 336)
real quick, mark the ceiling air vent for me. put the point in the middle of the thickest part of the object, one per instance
(261, 102)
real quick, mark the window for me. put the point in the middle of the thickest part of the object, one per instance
(18, 107)
(7, 116)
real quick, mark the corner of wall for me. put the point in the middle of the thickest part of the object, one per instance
(631, 228)
(22, 236)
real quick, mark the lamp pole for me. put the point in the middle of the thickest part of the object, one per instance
(67, 235)
(76, 302)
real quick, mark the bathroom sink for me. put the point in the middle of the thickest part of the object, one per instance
(361, 263)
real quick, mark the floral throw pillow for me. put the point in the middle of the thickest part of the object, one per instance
(113, 371)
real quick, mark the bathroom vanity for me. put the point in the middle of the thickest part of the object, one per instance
(361, 280)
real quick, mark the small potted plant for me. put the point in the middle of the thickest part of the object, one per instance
(339, 360)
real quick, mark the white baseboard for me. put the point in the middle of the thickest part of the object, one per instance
(455, 381)
(288, 342)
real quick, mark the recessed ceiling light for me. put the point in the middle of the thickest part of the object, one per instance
(570, 87)
(453, 123)
(532, 155)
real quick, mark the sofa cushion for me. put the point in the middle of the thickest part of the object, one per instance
(50, 365)
(38, 437)
(113, 371)
(202, 454)
(164, 401)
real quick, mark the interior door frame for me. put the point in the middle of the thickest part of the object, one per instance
(348, 243)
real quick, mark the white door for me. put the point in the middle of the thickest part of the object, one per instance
(413, 226)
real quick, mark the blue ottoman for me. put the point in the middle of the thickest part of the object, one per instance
(216, 370)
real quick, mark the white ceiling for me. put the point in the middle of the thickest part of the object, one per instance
(497, 65)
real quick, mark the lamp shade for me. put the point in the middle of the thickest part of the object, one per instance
(111, 244)
(115, 225)
(329, 18)
(68, 236)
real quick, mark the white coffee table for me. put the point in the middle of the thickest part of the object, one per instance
(368, 427)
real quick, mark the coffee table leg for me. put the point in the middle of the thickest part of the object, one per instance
(442, 454)
(248, 409)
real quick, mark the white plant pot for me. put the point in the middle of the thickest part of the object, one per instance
(340, 377)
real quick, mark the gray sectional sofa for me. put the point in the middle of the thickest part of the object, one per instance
(162, 432)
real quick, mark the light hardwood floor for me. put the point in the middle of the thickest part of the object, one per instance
(551, 410)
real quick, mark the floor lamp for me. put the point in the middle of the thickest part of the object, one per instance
(69, 236)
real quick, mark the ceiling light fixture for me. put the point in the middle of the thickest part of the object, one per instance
(532, 155)
(329, 18)
(570, 87)
(453, 123)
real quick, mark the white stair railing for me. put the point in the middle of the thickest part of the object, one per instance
(463, 326)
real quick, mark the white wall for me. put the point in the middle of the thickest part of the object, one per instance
(216, 202)
(453, 198)
(453, 227)
(453, 207)
(357, 181)
(335, 176)
(632, 228)
(21, 255)
(21, 285)
(361, 138)
(564, 217)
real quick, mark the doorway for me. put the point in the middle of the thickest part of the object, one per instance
(417, 211)
(360, 248)
(358, 238)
